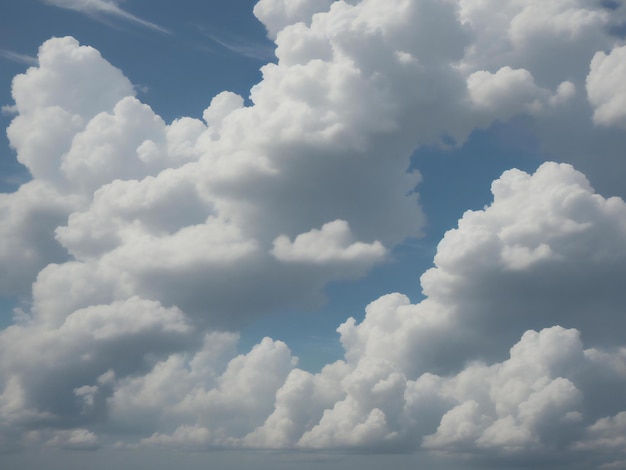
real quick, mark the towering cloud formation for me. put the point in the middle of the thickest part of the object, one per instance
(141, 246)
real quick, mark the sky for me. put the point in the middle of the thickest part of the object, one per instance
(313, 233)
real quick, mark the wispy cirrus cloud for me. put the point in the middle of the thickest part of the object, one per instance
(238, 45)
(17, 57)
(244, 48)
(97, 8)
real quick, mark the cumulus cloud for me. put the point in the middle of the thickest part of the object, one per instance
(326, 139)
(605, 87)
(512, 92)
(425, 375)
(535, 35)
(555, 43)
(396, 391)
(333, 243)
(224, 398)
(276, 15)
(77, 439)
(139, 246)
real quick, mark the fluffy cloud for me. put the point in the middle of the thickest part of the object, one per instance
(224, 399)
(333, 243)
(50, 100)
(535, 35)
(416, 372)
(77, 439)
(328, 138)
(512, 92)
(542, 235)
(547, 44)
(139, 246)
(425, 375)
(276, 15)
(605, 87)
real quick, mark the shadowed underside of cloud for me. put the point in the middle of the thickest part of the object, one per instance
(141, 246)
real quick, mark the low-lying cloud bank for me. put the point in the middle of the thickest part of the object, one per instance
(140, 247)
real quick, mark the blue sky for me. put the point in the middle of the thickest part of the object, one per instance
(312, 232)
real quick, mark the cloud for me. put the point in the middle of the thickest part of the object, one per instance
(605, 87)
(77, 439)
(216, 392)
(96, 8)
(536, 401)
(535, 36)
(278, 14)
(246, 179)
(140, 247)
(513, 92)
(243, 47)
(333, 243)
(17, 57)
(432, 375)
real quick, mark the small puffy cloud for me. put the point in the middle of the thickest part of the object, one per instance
(105, 322)
(185, 437)
(606, 433)
(511, 92)
(76, 439)
(606, 89)
(332, 244)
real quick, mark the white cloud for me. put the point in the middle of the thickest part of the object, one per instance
(76, 439)
(332, 244)
(511, 92)
(278, 14)
(536, 401)
(535, 35)
(555, 43)
(535, 404)
(606, 433)
(138, 243)
(225, 399)
(185, 437)
(606, 89)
